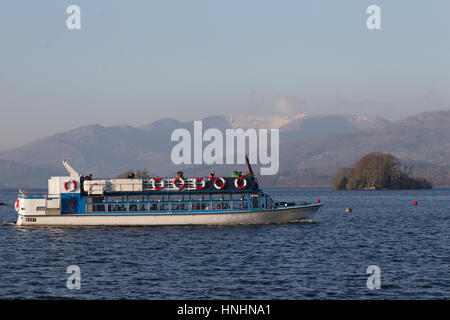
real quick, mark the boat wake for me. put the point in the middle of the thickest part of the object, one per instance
(7, 223)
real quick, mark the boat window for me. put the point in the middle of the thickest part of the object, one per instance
(200, 197)
(95, 199)
(117, 207)
(239, 196)
(221, 197)
(254, 201)
(143, 207)
(157, 203)
(201, 201)
(200, 205)
(139, 207)
(270, 203)
(179, 206)
(96, 208)
(178, 202)
(239, 205)
(158, 206)
(156, 198)
(178, 197)
(239, 201)
(221, 205)
(116, 198)
(137, 198)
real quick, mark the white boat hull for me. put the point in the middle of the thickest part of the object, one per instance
(282, 215)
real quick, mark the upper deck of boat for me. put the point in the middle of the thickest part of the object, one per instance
(171, 185)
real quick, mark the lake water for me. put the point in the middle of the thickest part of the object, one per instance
(327, 258)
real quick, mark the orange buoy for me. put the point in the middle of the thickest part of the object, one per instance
(318, 200)
(415, 203)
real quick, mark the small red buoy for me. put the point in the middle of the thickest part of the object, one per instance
(318, 200)
(415, 203)
(446, 192)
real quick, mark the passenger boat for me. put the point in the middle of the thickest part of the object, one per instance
(72, 200)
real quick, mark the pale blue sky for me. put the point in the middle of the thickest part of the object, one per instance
(134, 62)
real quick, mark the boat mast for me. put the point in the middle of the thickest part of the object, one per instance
(250, 170)
(70, 170)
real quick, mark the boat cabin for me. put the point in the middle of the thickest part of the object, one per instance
(75, 195)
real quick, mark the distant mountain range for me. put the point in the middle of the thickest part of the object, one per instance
(312, 147)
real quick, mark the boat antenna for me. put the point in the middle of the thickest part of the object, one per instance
(70, 170)
(250, 170)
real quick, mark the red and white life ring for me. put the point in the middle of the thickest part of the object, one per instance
(16, 204)
(161, 184)
(201, 186)
(70, 186)
(222, 185)
(180, 187)
(236, 184)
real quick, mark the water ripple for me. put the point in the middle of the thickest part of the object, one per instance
(326, 259)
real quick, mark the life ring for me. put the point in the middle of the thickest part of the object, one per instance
(199, 187)
(16, 204)
(175, 183)
(237, 185)
(221, 186)
(161, 182)
(70, 185)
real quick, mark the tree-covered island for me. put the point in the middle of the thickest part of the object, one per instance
(378, 170)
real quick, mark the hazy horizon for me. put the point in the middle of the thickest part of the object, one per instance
(133, 64)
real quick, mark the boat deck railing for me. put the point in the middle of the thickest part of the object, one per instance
(34, 195)
(228, 184)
